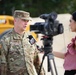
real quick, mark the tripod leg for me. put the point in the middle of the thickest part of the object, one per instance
(55, 67)
(50, 66)
(51, 61)
(41, 63)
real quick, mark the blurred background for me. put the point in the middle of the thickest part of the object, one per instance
(37, 7)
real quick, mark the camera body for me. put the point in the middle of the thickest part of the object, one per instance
(50, 27)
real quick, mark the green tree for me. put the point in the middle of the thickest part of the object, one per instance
(37, 7)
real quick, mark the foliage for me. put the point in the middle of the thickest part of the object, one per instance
(37, 7)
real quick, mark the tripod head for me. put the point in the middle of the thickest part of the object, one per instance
(47, 44)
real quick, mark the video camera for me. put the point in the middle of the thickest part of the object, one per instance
(50, 27)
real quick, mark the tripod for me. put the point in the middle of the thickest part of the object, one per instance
(47, 42)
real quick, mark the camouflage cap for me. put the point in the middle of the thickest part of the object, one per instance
(22, 15)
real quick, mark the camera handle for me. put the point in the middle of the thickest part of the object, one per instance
(50, 57)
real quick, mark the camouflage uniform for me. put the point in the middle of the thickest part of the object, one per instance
(18, 56)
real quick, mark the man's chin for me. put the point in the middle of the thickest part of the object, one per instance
(23, 29)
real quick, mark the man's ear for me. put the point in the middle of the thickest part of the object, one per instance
(14, 20)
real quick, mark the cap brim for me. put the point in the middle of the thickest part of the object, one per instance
(27, 18)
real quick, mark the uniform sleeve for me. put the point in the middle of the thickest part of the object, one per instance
(2, 60)
(37, 63)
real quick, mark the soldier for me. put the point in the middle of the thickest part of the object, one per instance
(18, 56)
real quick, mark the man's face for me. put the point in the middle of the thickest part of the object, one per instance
(21, 24)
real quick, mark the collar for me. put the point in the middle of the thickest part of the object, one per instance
(18, 36)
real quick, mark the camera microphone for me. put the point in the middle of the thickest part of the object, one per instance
(31, 39)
